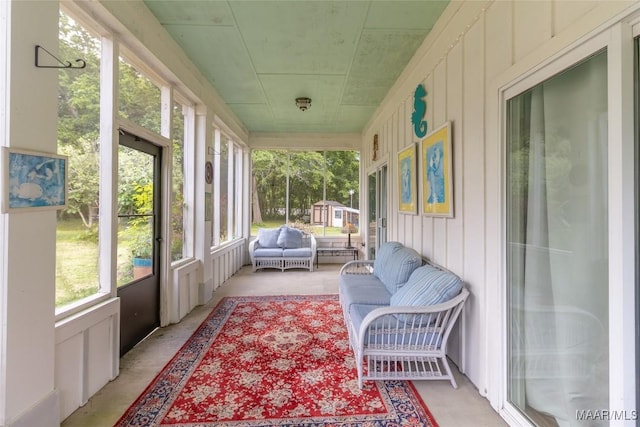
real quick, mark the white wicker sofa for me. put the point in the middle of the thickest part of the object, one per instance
(282, 248)
(399, 311)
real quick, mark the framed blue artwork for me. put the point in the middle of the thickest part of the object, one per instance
(33, 180)
(408, 180)
(437, 173)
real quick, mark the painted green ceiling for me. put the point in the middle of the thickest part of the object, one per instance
(261, 55)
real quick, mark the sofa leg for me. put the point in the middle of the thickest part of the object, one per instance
(448, 369)
(359, 367)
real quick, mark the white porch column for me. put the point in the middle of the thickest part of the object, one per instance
(28, 239)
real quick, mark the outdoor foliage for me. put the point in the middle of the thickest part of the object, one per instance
(79, 139)
(79, 117)
(307, 171)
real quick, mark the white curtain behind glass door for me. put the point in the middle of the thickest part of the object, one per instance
(558, 278)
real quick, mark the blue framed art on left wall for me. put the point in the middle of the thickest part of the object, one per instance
(33, 180)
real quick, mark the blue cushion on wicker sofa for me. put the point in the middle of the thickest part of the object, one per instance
(268, 237)
(427, 286)
(289, 238)
(268, 252)
(362, 289)
(394, 264)
(282, 248)
(404, 338)
(296, 253)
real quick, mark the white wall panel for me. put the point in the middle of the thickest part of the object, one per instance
(454, 226)
(499, 57)
(498, 49)
(69, 374)
(27, 276)
(395, 145)
(405, 140)
(454, 260)
(439, 96)
(532, 19)
(86, 354)
(100, 351)
(473, 193)
(567, 12)
(384, 142)
(388, 157)
(186, 287)
(227, 260)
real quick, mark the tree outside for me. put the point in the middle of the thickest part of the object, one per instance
(308, 174)
(78, 138)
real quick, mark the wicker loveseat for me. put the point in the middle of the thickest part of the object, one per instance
(282, 248)
(399, 311)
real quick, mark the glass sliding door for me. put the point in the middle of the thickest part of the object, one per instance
(373, 217)
(377, 233)
(557, 246)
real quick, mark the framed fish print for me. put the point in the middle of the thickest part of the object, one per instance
(436, 173)
(33, 180)
(408, 180)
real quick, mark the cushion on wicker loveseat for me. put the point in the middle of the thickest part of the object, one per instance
(282, 248)
(392, 267)
(289, 238)
(427, 285)
(394, 264)
(400, 331)
(268, 237)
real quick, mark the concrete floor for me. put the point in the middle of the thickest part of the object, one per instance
(450, 407)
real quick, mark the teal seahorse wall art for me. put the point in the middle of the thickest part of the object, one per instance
(419, 109)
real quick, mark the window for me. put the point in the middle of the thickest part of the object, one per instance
(137, 209)
(237, 199)
(178, 205)
(557, 245)
(139, 98)
(269, 189)
(77, 239)
(139, 102)
(306, 188)
(227, 190)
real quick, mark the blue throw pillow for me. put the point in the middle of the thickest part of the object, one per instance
(383, 254)
(394, 264)
(427, 285)
(290, 238)
(268, 237)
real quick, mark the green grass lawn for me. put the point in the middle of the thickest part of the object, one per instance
(77, 257)
(77, 267)
(76, 262)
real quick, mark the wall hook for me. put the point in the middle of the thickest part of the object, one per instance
(64, 64)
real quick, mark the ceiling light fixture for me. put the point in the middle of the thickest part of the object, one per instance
(303, 103)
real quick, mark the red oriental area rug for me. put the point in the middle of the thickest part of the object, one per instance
(272, 361)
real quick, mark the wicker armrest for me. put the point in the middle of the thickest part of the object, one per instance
(437, 314)
(407, 342)
(358, 267)
(253, 245)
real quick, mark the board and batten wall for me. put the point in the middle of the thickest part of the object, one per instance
(473, 44)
